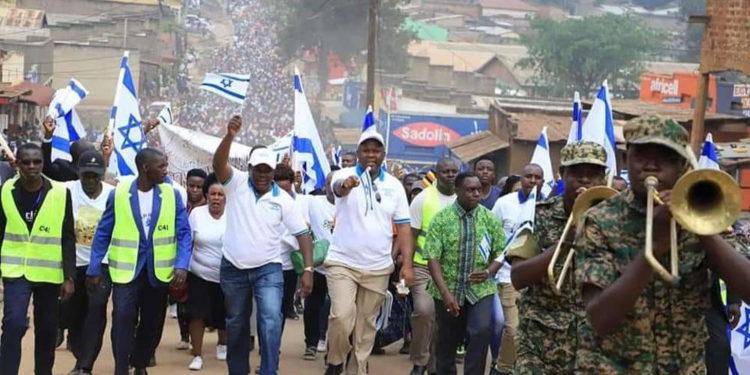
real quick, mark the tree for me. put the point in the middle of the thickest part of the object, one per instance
(580, 54)
(340, 26)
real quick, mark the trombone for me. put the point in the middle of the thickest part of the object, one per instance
(704, 202)
(589, 198)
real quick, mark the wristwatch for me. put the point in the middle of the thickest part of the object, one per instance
(308, 269)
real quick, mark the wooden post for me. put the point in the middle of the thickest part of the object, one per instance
(699, 115)
(372, 36)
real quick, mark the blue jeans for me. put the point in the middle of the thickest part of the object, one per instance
(266, 283)
(138, 310)
(17, 294)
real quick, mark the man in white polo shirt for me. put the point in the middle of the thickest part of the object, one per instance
(369, 202)
(508, 210)
(256, 209)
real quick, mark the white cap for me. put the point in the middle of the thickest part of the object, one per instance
(371, 134)
(263, 156)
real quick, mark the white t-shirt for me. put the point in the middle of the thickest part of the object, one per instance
(508, 211)
(87, 212)
(418, 203)
(146, 202)
(252, 238)
(363, 235)
(208, 232)
(321, 213)
(289, 242)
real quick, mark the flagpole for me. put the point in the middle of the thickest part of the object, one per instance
(113, 114)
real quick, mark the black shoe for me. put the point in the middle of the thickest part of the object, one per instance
(252, 343)
(152, 361)
(334, 369)
(377, 351)
(140, 371)
(292, 315)
(75, 371)
(406, 349)
(418, 370)
(84, 372)
(60, 337)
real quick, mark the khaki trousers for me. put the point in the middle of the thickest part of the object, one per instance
(356, 297)
(508, 298)
(423, 327)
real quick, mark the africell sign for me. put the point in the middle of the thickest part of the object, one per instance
(667, 87)
(426, 134)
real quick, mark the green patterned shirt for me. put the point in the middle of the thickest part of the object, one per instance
(464, 242)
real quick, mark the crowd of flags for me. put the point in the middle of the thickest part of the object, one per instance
(69, 126)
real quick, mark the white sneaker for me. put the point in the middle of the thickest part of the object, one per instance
(196, 364)
(221, 352)
(183, 345)
(173, 311)
(322, 346)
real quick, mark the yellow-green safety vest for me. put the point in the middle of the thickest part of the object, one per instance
(37, 256)
(430, 208)
(723, 291)
(123, 248)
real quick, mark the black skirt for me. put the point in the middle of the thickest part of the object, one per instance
(206, 301)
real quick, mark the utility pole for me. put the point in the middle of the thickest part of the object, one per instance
(372, 38)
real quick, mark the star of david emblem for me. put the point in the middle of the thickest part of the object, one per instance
(226, 83)
(125, 131)
(744, 329)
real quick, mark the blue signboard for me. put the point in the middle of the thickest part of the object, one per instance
(422, 138)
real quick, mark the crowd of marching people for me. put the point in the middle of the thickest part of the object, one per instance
(269, 108)
(366, 252)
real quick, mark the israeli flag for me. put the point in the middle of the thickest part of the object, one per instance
(231, 86)
(68, 127)
(336, 156)
(599, 126)
(576, 128)
(709, 157)
(165, 115)
(368, 124)
(66, 98)
(125, 122)
(307, 150)
(739, 341)
(541, 158)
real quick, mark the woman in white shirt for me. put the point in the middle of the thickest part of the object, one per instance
(205, 299)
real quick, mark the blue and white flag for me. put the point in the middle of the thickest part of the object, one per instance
(231, 86)
(599, 126)
(125, 122)
(66, 98)
(739, 341)
(576, 128)
(368, 124)
(336, 156)
(541, 158)
(68, 127)
(308, 152)
(709, 157)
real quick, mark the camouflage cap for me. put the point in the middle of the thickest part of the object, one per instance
(657, 130)
(583, 153)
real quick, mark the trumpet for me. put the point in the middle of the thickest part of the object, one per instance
(589, 198)
(704, 202)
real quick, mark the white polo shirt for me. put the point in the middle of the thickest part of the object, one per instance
(508, 211)
(252, 238)
(363, 234)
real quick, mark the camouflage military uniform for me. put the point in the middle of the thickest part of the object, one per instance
(547, 331)
(665, 332)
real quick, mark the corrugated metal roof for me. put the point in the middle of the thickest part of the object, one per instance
(19, 17)
(473, 146)
(634, 108)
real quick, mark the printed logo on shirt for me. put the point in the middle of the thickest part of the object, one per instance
(162, 227)
(43, 228)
